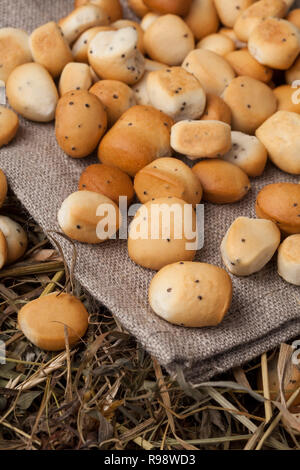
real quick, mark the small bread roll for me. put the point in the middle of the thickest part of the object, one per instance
(251, 103)
(14, 50)
(140, 88)
(253, 15)
(285, 95)
(81, 19)
(3, 187)
(114, 55)
(280, 134)
(112, 8)
(275, 43)
(3, 249)
(161, 233)
(75, 76)
(9, 124)
(202, 18)
(168, 40)
(50, 49)
(80, 122)
(229, 32)
(89, 217)
(294, 17)
(138, 7)
(218, 43)
(43, 321)
(148, 19)
(121, 24)
(289, 259)
(243, 63)
(249, 244)
(291, 381)
(248, 153)
(16, 239)
(213, 71)
(177, 93)
(167, 177)
(117, 97)
(107, 180)
(293, 73)
(176, 7)
(199, 139)
(191, 294)
(280, 202)
(140, 136)
(216, 110)
(80, 48)
(230, 10)
(222, 182)
(32, 93)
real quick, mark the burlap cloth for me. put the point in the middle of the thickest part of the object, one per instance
(265, 310)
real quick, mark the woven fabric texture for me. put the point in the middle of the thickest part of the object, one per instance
(265, 309)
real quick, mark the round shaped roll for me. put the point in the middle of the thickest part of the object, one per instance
(222, 182)
(243, 63)
(89, 217)
(280, 134)
(199, 139)
(248, 153)
(249, 244)
(167, 177)
(43, 321)
(50, 48)
(138, 7)
(168, 40)
(275, 43)
(280, 202)
(163, 231)
(230, 10)
(202, 18)
(176, 7)
(3, 187)
(218, 43)
(148, 19)
(9, 124)
(16, 239)
(75, 76)
(140, 136)
(294, 17)
(251, 103)
(80, 47)
(176, 92)
(81, 19)
(32, 93)
(291, 382)
(285, 99)
(14, 50)
(216, 110)
(253, 15)
(213, 71)
(112, 8)
(80, 123)
(114, 55)
(121, 24)
(3, 250)
(117, 97)
(289, 259)
(191, 294)
(293, 73)
(107, 180)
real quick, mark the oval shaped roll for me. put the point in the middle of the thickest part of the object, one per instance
(191, 294)
(289, 259)
(43, 321)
